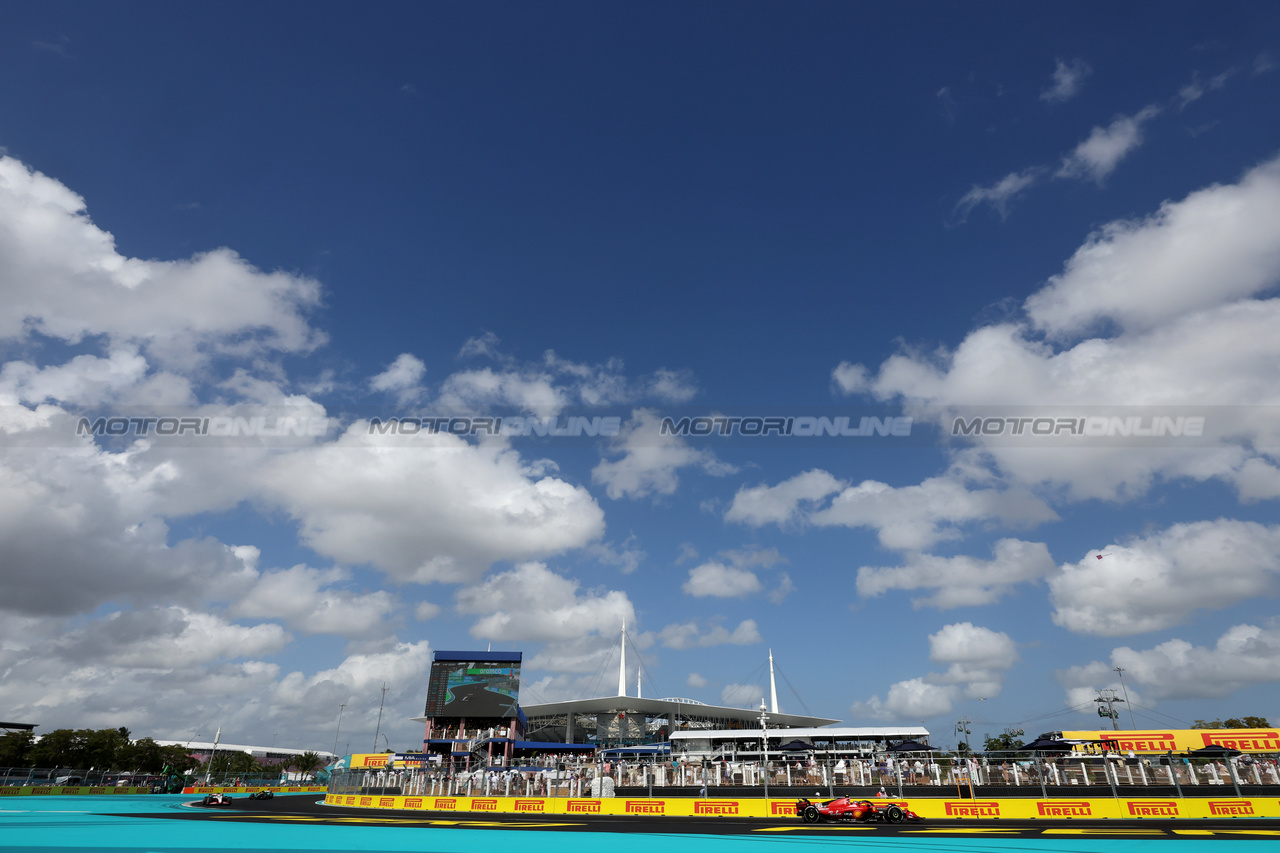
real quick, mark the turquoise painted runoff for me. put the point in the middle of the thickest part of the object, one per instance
(105, 824)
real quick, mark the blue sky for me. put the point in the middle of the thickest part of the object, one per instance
(747, 209)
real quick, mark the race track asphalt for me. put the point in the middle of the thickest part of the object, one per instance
(172, 823)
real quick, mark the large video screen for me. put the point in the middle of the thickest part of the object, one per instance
(474, 684)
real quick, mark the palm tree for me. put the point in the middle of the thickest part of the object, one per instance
(307, 763)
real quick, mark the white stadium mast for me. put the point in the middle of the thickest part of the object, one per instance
(773, 686)
(622, 663)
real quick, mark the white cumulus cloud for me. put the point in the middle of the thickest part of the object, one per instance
(717, 580)
(907, 518)
(961, 581)
(1157, 581)
(1067, 79)
(689, 635)
(1098, 156)
(977, 660)
(649, 461)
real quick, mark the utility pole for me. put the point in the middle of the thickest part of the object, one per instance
(1108, 697)
(378, 730)
(337, 730)
(1120, 671)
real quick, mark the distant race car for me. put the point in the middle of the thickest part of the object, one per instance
(218, 799)
(863, 811)
(261, 795)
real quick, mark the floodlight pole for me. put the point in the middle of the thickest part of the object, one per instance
(764, 743)
(208, 773)
(381, 704)
(339, 729)
(1120, 671)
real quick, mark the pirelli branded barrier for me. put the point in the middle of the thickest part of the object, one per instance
(62, 791)
(373, 759)
(1159, 741)
(403, 760)
(275, 789)
(935, 809)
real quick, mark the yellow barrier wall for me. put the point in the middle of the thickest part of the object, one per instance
(275, 789)
(936, 809)
(60, 790)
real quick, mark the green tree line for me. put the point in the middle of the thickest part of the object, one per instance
(1233, 723)
(112, 749)
(103, 749)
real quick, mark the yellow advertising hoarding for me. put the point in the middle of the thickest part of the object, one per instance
(375, 759)
(66, 790)
(929, 809)
(379, 759)
(1181, 740)
(275, 789)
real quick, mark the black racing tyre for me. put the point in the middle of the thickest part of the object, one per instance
(893, 814)
(810, 814)
(207, 799)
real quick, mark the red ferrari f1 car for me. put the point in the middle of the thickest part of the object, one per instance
(863, 811)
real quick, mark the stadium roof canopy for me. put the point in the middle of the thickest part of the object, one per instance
(18, 727)
(680, 709)
(825, 734)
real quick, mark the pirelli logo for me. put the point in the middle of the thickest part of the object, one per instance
(446, 804)
(582, 807)
(366, 801)
(1064, 808)
(1147, 742)
(645, 807)
(42, 790)
(1231, 808)
(10, 791)
(351, 801)
(777, 809)
(1153, 808)
(413, 803)
(716, 807)
(1250, 742)
(976, 808)
(531, 805)
(484, 805)
(375, 761)
(97, 790)
(293, 789)
(386, 802)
